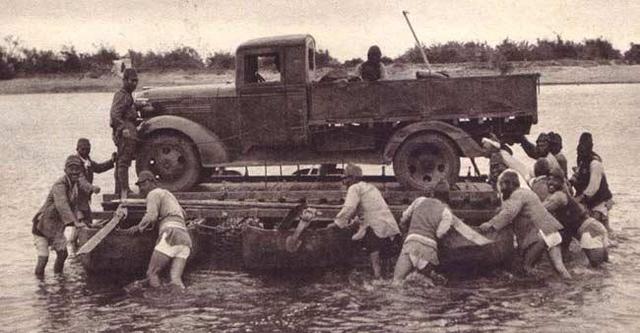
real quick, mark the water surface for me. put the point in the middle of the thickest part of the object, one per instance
(39, 131)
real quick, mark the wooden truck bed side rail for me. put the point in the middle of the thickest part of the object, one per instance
(429, 99)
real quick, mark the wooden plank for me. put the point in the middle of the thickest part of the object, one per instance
(101, 234)
(470, 216)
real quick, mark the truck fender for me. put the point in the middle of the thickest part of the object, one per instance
(465, 143)
(211, 149)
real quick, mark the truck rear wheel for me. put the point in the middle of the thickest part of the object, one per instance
(425, 159)
(173, 158)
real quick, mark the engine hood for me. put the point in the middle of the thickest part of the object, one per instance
(194, 91)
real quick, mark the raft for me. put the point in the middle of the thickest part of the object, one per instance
(121, 253)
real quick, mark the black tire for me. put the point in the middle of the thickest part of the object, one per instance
(424, 159)
(173, 158)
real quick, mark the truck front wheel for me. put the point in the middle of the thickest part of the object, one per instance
(425, 159)
(173, 158)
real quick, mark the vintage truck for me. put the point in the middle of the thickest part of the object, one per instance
(277, 114)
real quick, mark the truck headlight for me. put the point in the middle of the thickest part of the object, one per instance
(145, 107)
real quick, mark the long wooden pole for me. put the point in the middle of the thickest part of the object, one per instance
(418, 44)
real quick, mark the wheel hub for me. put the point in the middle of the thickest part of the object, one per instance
(427, 164)
(168, 162)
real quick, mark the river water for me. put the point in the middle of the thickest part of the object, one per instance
(39, 131)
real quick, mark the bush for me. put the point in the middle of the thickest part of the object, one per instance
(7, 70)
(221, 60)
(353, 62)
(512, 51)
(324, 59)
(102, 59)
(596, 49)
(183, 57)
(632, 55)
(71, 60)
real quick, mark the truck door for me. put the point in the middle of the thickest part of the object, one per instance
(263, 101)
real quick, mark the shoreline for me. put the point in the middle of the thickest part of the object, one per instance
(580, 74)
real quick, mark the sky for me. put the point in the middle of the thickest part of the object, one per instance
(346, 28)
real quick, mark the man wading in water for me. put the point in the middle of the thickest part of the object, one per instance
(56, 215)
(123, 123)
(378, 227)
(174, 243)
(535, 228)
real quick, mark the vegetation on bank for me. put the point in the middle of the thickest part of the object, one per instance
(16, 59)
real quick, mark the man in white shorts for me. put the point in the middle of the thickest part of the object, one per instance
(174, 243)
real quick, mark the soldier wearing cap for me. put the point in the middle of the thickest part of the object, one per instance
(123, 124)
(365, 201)
(56, 214)
(372, 69)
(174, 243)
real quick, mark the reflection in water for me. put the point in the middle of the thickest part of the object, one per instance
(223, 298)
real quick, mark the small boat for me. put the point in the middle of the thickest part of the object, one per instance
(121, 253)
(266, 249)
(459, 253)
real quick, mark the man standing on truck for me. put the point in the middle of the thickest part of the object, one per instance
(123, 123)
(372, 69)
(366, 201)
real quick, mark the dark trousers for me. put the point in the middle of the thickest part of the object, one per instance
(126, 152)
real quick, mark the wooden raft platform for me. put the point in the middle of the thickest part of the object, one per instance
(472, 202)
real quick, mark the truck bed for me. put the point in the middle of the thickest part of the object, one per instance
(424, 99)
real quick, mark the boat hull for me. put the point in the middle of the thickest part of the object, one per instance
(266, 249)
(458, 253)
(121, 253)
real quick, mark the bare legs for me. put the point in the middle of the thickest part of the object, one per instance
(40, 265)
(555, 255)
(158, 262)
(402, 269)
(533, 253)
(177, 267)
(375, 264)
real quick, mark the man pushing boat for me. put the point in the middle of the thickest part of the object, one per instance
(378, 227)
(174, 243)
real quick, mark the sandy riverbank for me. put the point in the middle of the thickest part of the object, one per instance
(551, 73)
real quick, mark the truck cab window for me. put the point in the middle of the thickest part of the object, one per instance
(262, 68)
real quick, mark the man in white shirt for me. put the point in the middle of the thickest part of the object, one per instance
(378, 226)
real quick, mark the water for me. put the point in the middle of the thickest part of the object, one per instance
(39, 131)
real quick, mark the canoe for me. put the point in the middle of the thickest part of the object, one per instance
(265, 249)
(459, 253)
(121, 253)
